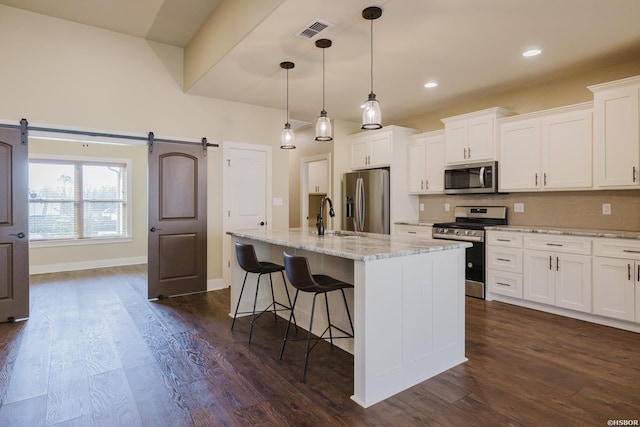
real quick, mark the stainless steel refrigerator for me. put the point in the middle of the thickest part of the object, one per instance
(366, 201)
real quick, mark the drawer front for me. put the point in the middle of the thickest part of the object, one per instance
(560, 244)
(504, 259)
(414, 230)
(500, 238)
(504, 283)
(617, 248)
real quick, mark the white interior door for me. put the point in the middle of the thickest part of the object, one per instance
(247, 192)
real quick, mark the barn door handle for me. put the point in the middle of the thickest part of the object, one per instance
(153, 229)
(20, 235)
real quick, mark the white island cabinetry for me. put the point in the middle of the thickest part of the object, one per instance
(408, 301)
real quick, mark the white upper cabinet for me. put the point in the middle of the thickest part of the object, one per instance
(318, 178)
(617, 134)
(426, 163)
(371, 151)
(472, 137)
(547, 150)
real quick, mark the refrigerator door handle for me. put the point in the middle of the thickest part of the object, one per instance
(360, 204)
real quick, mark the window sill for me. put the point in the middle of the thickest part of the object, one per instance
(78, 242)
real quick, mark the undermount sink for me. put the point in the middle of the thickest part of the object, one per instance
(339, 233)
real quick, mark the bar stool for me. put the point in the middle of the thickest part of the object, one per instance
(248, 261)
(299, 274)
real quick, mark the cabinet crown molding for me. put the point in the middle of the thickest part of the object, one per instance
(616, 83)
(583, 106)
(499, 112)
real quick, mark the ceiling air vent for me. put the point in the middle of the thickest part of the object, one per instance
(314, 28)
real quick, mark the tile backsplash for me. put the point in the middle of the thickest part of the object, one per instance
(575, 209)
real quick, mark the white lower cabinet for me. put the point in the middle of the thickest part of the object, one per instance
(504, 263)
(559, 279)
(414, 230)
(559, 275)
(616, 279)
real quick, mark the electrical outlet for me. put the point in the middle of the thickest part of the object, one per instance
(606, 209)
(518, 207)
(421, 207)
(447, 207)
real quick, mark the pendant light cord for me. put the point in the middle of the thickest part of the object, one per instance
(287, 95)
(372, 56)
(323, 80)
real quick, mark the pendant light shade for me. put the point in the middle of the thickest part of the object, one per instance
(323, 124)
(288, 139)
(371, 115)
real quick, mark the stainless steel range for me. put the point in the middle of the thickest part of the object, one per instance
(469, 226)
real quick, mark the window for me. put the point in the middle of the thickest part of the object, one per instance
(77, 199)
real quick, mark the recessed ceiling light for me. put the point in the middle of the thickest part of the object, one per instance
(431, 85)
(531, 52)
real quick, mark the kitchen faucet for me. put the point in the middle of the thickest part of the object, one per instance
(320, 216)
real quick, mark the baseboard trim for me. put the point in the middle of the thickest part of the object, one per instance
(215, 284)
(86, 265)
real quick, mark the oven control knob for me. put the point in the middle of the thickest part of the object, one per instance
(457, 232)
(466, 232)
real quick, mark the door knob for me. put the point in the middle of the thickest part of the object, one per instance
(261, 223)
(20, 235)
(153, 229)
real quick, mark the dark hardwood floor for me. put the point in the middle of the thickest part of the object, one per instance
(96, 352)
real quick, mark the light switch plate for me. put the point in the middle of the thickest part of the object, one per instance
(277, 201)
(518, 207)
(447, 207)
(421, 207)
(606, 209)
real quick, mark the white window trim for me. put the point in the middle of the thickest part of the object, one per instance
(93, 240)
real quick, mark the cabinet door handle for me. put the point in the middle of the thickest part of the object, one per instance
(554, 244)
(545, 179)
(422, 184)
(631, 251)
(503, 259)
(412, 232)
(557, 264)
(503, 240)
(550, 266)
(638, 274)
(536, 179)
(634, 174)
(426, 184)
(465, 153)
(469, 152)
(503, 284)
(628, 271)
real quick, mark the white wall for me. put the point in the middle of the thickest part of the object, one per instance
(59, 73)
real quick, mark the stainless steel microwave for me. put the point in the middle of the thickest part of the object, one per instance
(473, 178)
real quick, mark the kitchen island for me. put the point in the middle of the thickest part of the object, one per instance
(407, 305)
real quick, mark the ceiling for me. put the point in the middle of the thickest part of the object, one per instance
(470, 47)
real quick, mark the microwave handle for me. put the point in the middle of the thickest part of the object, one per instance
(482, 172)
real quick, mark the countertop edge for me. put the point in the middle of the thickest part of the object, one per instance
(558, 231)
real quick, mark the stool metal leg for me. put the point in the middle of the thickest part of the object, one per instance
(286, 332)
(306, 353)
(346, 306)
(326, 303)
(286, 289)
(273, 300)
(255, 301)
(239, 298)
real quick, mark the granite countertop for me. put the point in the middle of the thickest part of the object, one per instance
(415, 222)
(559, 231)
(350, 245)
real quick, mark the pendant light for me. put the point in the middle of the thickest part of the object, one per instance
(371, 115)
(323, 124)
(288, 139)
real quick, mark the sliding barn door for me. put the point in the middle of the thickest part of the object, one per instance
(177, 256)
(14, 226)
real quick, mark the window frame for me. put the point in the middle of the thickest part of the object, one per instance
(86, 160)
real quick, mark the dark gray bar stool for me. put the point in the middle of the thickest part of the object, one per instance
(248, 261)
(299, 274)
